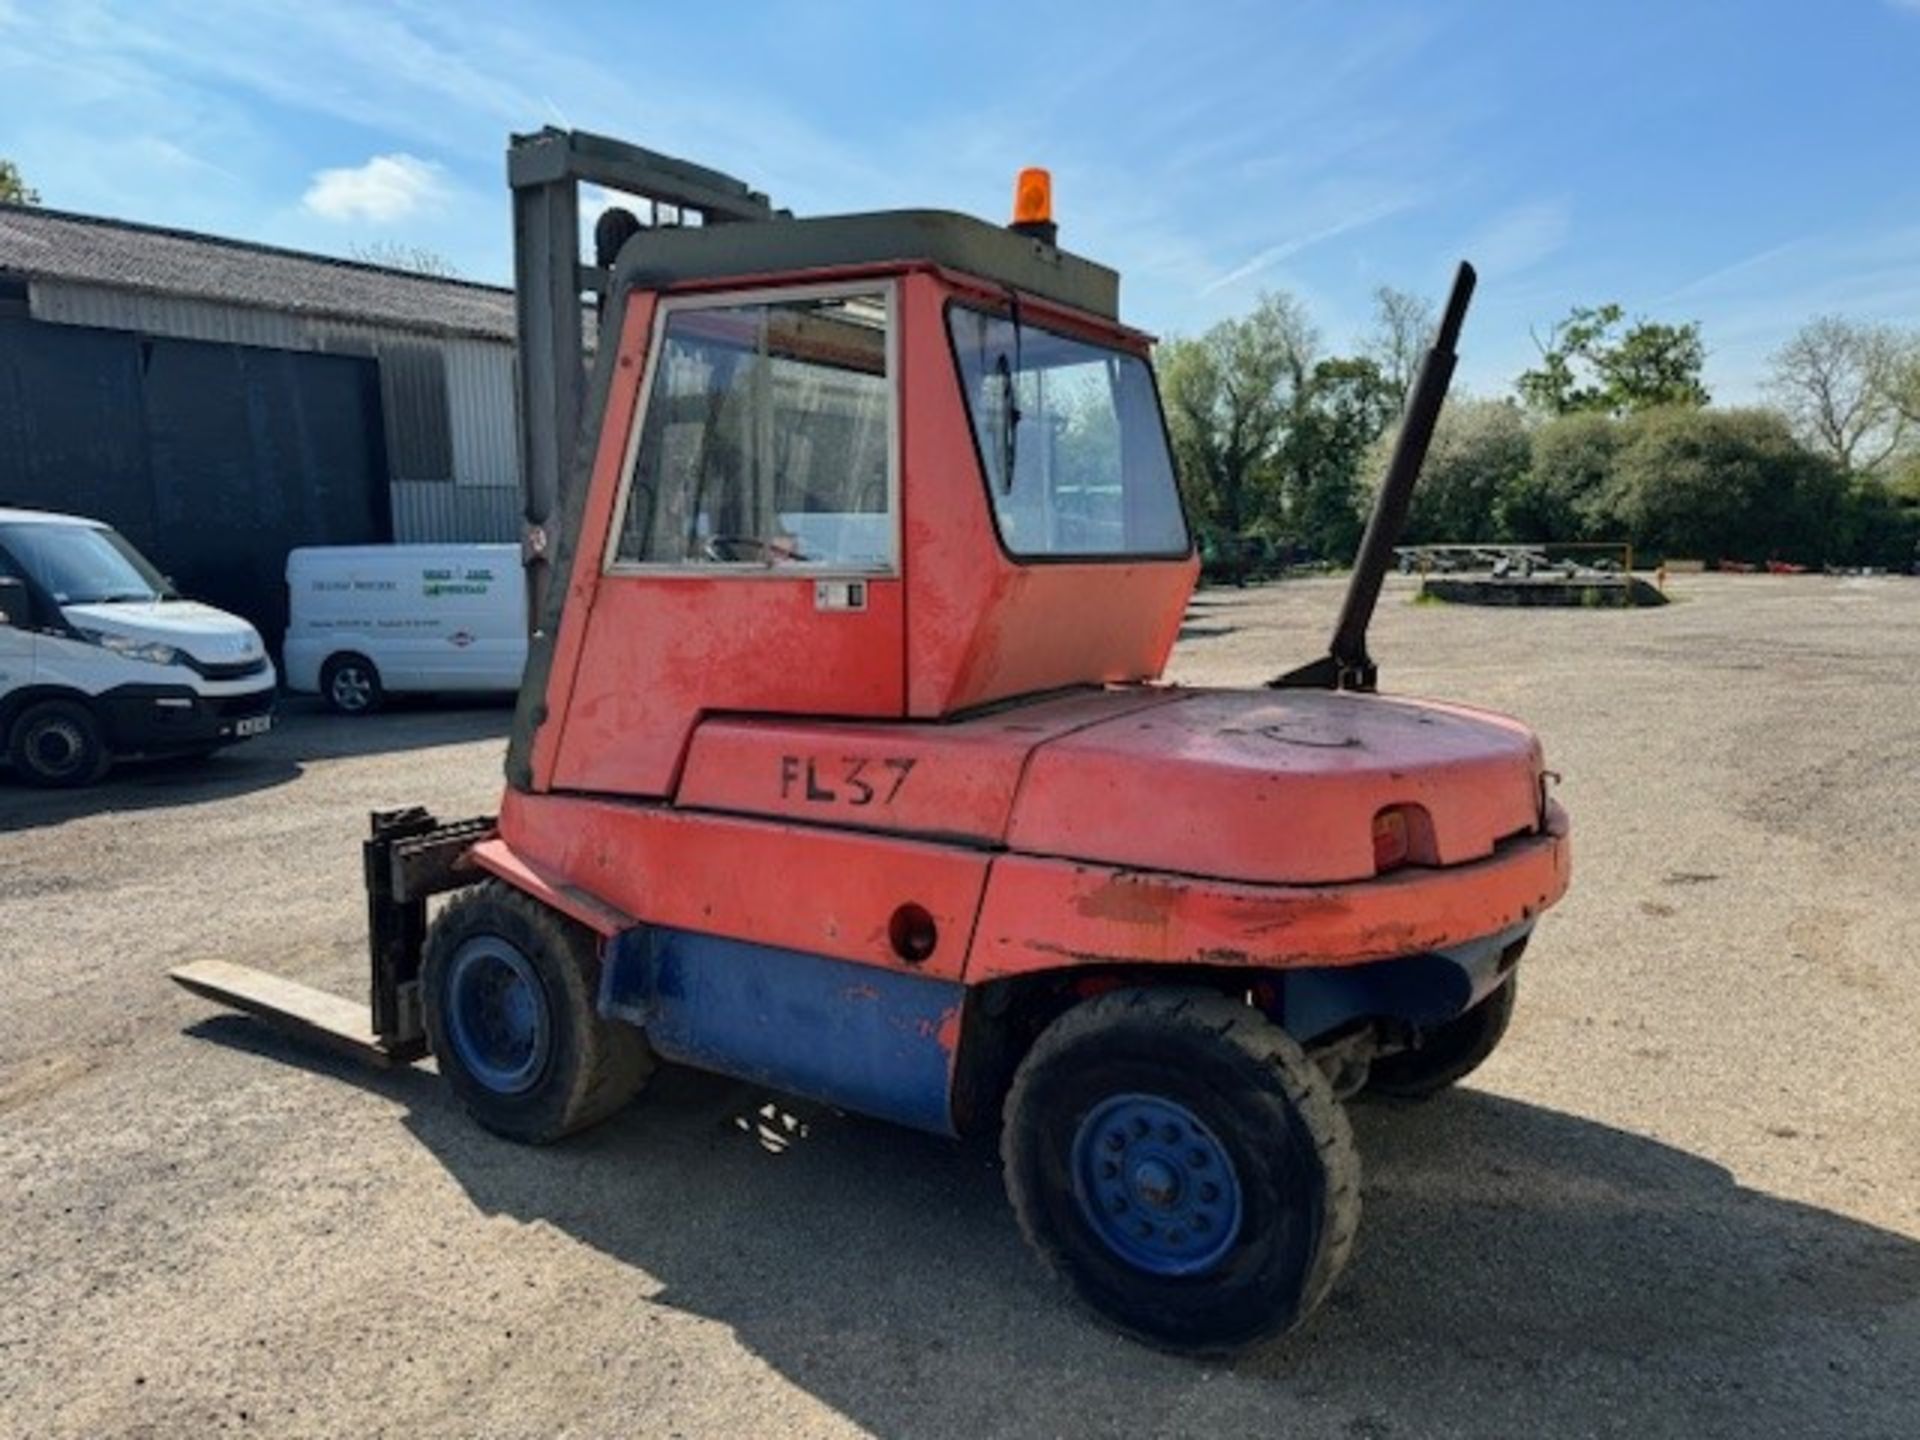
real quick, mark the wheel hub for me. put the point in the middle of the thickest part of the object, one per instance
(497, 1019)
(1156, 1185)
(56, 747)
(351, 690)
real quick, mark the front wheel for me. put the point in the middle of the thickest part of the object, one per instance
(1178, 1161)
(508, 987)
(57, 745)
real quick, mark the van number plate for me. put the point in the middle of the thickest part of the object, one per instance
(252, 725)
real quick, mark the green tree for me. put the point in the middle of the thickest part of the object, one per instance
(1229, 395)
(1726, 484)
(1347, 402)
(13, 189)
(1840, 385)
(1481, 449)
(1589, 361)
(1403, 326)
(1879, 524)
(1559, 496)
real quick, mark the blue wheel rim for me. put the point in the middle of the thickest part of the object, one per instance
(497, 1019)
(1156, 1185)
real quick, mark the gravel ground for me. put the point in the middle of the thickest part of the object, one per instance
(1683, 1199)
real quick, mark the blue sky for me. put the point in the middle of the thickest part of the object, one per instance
(1747, 165)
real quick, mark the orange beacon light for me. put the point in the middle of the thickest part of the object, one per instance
(1033, 205)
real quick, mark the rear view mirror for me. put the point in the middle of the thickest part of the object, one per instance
(13, 602)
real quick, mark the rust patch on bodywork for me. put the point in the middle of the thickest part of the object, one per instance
(948, 1035)
(1039, 914)
(1131, 899)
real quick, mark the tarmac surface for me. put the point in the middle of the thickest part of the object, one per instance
(1683, 1199)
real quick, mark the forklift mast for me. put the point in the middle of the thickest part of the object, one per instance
(553, 291)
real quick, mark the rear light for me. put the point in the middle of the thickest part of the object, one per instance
(1390, 844)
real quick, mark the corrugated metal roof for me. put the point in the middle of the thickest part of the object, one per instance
(56, 245)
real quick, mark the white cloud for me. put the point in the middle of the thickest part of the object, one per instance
(1730, 275)
(1287, 249)
(386, 188)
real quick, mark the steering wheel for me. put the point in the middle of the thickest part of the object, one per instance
(725, 548)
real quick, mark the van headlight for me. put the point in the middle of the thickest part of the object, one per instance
(125, 645)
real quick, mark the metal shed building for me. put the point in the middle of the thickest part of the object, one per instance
(221, 402)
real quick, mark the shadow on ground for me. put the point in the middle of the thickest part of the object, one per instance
(1205, 632)
(148, 785)
(1521, 1271)
(303, 732)
(307, 730)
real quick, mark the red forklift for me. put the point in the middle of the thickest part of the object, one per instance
(842, 762)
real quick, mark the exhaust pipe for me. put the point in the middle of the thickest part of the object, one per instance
(1346, 665)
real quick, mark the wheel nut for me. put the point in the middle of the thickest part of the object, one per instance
(1209, 1191)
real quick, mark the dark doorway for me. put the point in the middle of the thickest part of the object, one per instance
(214, 459)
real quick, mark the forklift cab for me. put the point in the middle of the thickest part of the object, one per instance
(880, 467)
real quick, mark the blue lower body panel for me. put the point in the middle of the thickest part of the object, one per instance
(876, 1041)
(1419, 989)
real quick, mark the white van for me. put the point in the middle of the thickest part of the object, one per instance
(366, 621)
(100, 660)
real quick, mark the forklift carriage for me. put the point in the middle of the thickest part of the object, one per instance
(842, 763)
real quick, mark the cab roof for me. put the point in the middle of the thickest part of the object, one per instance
(661, 258)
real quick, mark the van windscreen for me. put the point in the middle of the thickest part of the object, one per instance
(82, 564)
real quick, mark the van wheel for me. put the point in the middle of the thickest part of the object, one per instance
(351, 685)
(509, 988)
(57, 745)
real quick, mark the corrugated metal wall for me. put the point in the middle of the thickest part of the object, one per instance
(426, 510)
(70, 304)
(481, 500)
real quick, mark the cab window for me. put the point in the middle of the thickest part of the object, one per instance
(1070, 440)
(767, 439)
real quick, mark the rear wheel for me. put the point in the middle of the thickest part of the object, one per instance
(509, 990)
(57, 744)
(1179, 1162)
(1447, 1053)
(351, 685)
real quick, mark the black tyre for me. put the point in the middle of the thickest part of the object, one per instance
(1447, 1053)
(508, 987)
(351, 685)
(1177, 1160)
(56, 744)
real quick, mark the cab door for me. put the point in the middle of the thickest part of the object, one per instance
(753, 560)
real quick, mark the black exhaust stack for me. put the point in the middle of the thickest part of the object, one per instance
(1346, 665)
